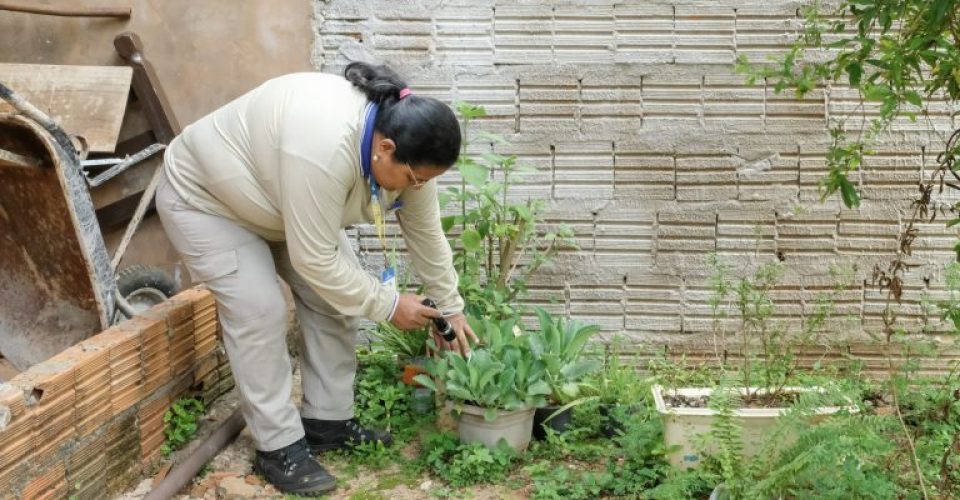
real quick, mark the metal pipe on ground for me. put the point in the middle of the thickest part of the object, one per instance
(188, 469)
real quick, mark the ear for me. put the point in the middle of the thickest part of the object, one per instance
(386, 147)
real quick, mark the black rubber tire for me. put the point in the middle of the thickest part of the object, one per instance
(144, 285)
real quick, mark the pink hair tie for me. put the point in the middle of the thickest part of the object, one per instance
(404, 92)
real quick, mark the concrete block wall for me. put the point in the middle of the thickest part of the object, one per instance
(648, 144)
(88, 422)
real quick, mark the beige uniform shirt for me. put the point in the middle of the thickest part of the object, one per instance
(284, 162)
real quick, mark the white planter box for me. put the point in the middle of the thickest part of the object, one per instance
(681, 426)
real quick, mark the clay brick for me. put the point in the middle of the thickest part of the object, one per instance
(49, 484)
(17, 438)
(204, 366)
(123, 454)
(85, 469)
(174, 311)
(11, 399)
(11, 477)
(151, 427)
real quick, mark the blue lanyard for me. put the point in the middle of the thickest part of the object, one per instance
(366, 148)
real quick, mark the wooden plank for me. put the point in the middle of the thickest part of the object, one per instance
(85, 100)
(7, 370)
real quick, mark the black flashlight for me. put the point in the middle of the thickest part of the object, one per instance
(446, 331)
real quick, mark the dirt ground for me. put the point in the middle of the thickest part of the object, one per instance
(230, 474)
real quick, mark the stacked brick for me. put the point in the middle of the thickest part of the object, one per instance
(647, 142)
(89, 421)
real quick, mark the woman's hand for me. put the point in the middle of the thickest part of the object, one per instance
(411, 314)
(464, 335)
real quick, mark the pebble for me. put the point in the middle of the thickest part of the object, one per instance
(236, 487)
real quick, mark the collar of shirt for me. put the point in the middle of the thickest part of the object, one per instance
(366, 147)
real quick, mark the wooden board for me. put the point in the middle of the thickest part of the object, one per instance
(7, 370)
(85, 100)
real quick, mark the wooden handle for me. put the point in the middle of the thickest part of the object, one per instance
(67, 11)
(146, 86)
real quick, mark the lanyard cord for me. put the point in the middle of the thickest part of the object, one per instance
(366, 168)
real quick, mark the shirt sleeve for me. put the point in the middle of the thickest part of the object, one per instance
(419, 218)
(313, 204)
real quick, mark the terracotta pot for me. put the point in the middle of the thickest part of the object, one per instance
(410, 371)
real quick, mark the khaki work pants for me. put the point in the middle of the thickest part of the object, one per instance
(243, 270)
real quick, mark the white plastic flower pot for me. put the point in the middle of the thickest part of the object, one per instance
(514, 427)
(682, 427)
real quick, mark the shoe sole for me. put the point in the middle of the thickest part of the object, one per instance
(314, 491)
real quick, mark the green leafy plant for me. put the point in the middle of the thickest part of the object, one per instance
(180, 423)
(618, 383)
(512, 382)
(553, 481)
(559, 345)
(465, 464)
(628, 469)
(382, 400)
(407, 345)
(766, 346)
(501, 243)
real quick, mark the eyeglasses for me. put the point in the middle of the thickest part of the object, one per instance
(417, 182)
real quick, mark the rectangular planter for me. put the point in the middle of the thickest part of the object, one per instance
(681, 426)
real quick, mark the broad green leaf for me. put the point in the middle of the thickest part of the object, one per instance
(580, 339)
(570, 389)
(913, 98)
(579, 369)
(849, 193)
(471, 240)
(448, 222)
(470, 111)
(854, 70)
(876, 92)
(484, 136)
(539, 387)
(494, 159)
(474, 174)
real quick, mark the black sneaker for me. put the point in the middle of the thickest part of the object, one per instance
(326, 435)
(292, 469)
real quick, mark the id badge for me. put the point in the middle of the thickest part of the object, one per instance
(389, 278)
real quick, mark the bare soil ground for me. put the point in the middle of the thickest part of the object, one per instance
(230, 474)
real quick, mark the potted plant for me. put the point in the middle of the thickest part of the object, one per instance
(766, 375)
(410, 348)
(495, 390)
(559, 345)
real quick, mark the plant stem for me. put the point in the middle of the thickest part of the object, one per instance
(903, 424)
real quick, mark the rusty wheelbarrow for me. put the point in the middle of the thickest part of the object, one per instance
(58, 284)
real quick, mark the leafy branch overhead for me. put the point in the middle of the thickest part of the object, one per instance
(899, 55)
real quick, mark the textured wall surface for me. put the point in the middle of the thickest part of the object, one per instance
(650, 146)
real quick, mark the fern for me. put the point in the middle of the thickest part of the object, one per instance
(728, 437)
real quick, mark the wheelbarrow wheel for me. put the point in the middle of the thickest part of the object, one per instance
(144, 287)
